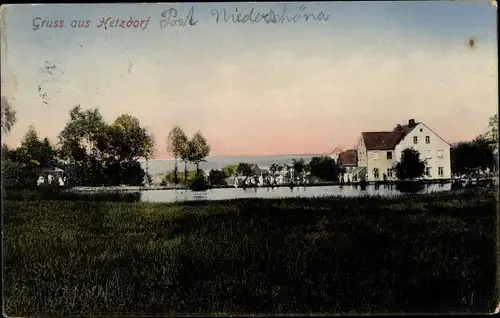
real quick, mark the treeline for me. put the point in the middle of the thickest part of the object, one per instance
(91, 151)
(323, 168)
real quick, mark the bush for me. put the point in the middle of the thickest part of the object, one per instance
(13, 173)
(199, 183)
(217, 177)
(169, 177)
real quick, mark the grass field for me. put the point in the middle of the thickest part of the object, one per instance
(419, 253)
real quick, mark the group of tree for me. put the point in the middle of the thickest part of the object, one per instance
(102, 153)
(193, 150)
(466, 158)
(323, 168)
(91, 151)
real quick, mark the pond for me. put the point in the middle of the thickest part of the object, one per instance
(282, 192)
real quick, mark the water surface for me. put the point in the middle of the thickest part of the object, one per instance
(281, 192)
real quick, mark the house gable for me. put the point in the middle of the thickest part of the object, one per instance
(407, 139)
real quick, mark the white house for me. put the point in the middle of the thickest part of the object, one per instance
(379, 151)
(349, 161)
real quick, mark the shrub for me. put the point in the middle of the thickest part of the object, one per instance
(199, 183)
(13, 173)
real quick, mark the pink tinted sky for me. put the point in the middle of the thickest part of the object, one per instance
(256, 88)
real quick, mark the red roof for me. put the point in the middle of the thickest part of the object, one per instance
(383, 140)
(386, 140)
(349, 157)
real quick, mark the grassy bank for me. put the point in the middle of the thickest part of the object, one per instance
(418, 253)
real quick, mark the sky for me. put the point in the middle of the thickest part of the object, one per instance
(257, 88)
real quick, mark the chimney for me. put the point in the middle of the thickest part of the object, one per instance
(411, 123)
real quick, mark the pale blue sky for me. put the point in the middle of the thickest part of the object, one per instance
(260, 88)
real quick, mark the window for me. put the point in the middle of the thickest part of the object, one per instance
(421, 130)
(389, 173)
(415, 140)
(389, 155)
(376, 173)
(429, 155)
(428, 171)
(440, 154)
(427, 139)
(375, 156)
(440, 171)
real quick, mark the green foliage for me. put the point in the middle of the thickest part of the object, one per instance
(169, 178)
(325, 168)
(493, 127)
(410, 166)
(298, 167)
(217, 177)
(126, 140)
(177, 142)
(13, 173)
(103, 154)
(230, 170)
(199, 183)
(198, 149)
(245, 169)
(82, 133)
(178, 146)
(468, 156)
(8, 115)
(19, 165)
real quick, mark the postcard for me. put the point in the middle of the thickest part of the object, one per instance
(327, 158)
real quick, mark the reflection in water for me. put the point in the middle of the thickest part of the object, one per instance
(287, 192)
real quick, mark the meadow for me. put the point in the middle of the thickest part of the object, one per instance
(415, 253)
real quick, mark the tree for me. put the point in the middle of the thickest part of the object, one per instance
(102, 153)
(122, 144)
(217, 177)
(230, 170)
(198, 150)
(469, 156)
(245, 169)
(493, 128)
(324, 168)
(298, 167)
(177, 145)
(81, 141)
(84, 130)
(8, 115)
(410, 166)
(35, 153)
(275, 168)
(126, 140)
